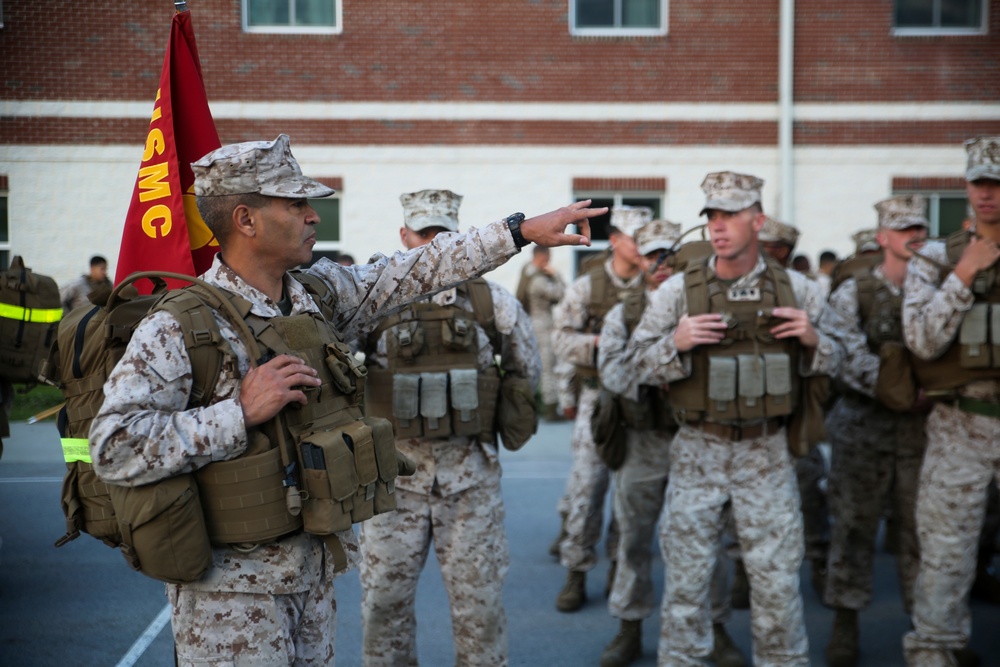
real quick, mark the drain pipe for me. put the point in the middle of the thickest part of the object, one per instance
(786, 62)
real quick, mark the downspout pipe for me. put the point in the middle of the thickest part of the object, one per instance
(786, 67)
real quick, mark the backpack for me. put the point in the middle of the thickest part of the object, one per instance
(30, 311)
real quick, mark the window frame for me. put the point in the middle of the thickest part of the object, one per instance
(941, 31)
(338, 245)
(618, 198)
(613, 31)
(337, 29)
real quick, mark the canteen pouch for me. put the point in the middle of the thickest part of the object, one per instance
(778, 384)
(388, 461)
(489, 393)
(464, 390)
(896, 385)
(458, 333)
(163, 529)
(329, 482)
(406, 405)
(517, 414)
(359, 439)
(608, 429)
(722, 388)
(434, 405)
(751, 386)
(972, 337)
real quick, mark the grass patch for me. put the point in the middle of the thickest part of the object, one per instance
(26, 404)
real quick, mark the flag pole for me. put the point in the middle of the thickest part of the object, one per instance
(180, 6)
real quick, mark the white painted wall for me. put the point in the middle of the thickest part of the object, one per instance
(67, 203)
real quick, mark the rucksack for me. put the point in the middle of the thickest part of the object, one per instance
(30, 311)
(88, 346)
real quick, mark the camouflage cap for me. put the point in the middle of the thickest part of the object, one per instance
(865, 241)
(628, 219)
(657, 235)
(984, 158)
(265, 167)
(902, 211)
(729, 191)
(778, 232)
(431, 208)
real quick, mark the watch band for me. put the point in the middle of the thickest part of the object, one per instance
(514, 225)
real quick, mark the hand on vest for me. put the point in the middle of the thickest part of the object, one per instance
(695, 330)
(980, 254)
(797, 325)
(268, 388)
(549, 229)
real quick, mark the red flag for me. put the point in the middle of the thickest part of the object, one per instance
(163, 230)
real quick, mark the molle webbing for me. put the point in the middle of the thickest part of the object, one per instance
(603, 297)
(881, 311)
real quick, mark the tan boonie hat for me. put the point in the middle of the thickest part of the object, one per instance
(431, 208)
(984, 158)
(628, 219)
(657, 235)
(902, 211)
(865, 241)
(265, 167)
(778, 232)
(729, 191)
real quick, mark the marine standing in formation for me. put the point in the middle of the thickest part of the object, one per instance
(432, 371)
(540, 289)
(732, 446)
(270, 603)
(578, 321)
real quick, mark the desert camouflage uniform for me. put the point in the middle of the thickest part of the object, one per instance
(876, 453)
(144, 433)
(544, 292)
(588, 479)
(640, 494)
(756, 475)
(454, 500)
(963, 456)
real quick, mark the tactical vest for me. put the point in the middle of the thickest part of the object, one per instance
(749, 375)
(603, 297)
(30, 311)
(652, 409)
(317, 467)
(881, 311)
(432, 386)
(974, 354)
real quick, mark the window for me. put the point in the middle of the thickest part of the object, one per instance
(939, 17)
(328, 242)
(600, 226)
(298, 16)
(618, 17)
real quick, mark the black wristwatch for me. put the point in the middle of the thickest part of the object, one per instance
(514, 225)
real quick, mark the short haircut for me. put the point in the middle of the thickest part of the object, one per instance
(217, 211)
(540, 250)
(827, 256)
(97, 260)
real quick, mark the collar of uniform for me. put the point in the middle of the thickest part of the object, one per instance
(618, 282)
(747, 279)
(260, 304)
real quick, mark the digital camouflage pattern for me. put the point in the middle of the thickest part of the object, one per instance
(756, 475)
(628, 219)
(983, 158)
(729, 191)
(778, 232)
(453, 500)
(431, 208)
(266, 167)
(902, 211)
(963, 451)
(589, 478)
(144, 433)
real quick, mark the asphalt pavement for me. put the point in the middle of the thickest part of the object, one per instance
(81, 605)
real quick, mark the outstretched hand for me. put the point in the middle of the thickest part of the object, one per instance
(549, 229)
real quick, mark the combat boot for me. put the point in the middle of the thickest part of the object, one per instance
(725, 653)
(843, 651)
(740, 595)
(626, 647)
(574, 592)
(554, 547)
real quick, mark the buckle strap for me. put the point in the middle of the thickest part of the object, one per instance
(978, 407)
(739, 432)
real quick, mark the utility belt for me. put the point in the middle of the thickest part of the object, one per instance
(740, 431)
(433, 403)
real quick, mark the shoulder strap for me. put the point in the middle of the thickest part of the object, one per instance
(633, 306)
(867, 287)
(318, 290)
(599, 285)
(782, 284)
(478, 292)
(696, 286)
(955, 243)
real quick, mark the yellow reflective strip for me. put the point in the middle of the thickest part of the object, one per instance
(43, 315)
(76, 449)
